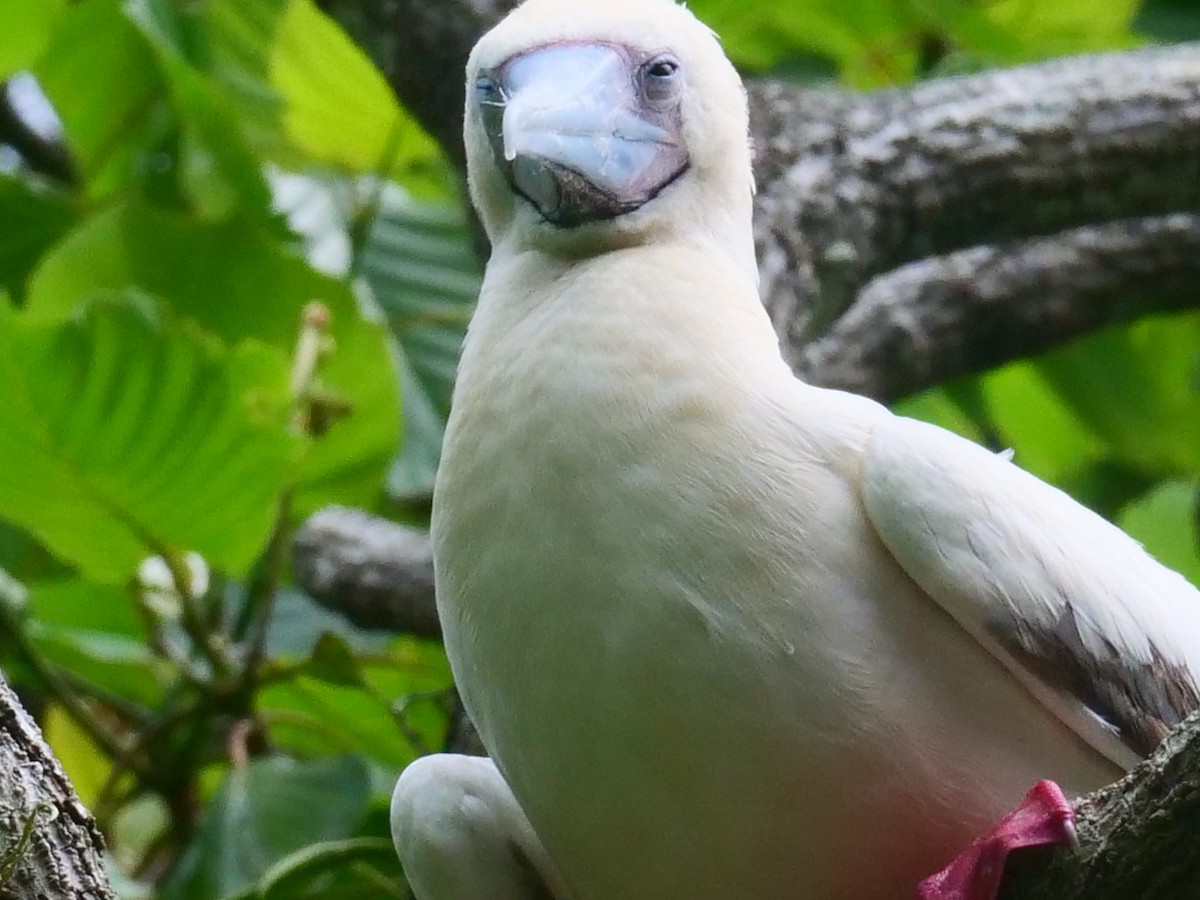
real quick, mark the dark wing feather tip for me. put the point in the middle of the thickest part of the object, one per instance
(1141, 700)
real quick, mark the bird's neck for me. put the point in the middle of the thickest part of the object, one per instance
(616, 344)
(692, 285)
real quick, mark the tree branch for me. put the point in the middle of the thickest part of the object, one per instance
(374, 572)
(928, 321)
(854, 185)
(63, 854)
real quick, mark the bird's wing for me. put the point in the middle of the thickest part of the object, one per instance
(1106, 637)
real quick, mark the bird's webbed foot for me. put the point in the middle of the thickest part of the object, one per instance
(1043, 817)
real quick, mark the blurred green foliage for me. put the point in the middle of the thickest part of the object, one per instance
(168, 389)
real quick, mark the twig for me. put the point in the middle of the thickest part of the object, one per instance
(70, 701)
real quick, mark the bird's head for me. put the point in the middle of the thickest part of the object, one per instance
(605, 123)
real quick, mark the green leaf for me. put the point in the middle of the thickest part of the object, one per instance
(84, 762)
(240, 36)
(1169, 20)
(24, 556)
(290, 877)
(337, 106)
(308, 715)
(333, 662)
(865, 38)
(1044, 432)
(263, 812)
(93, 631)
(114, 114)
(1138, 388)
(219, 172)
(28, 25)
(32, 218)
(425, 275)
(126, 433)
(936, 406)
(1054, 27)
(308, 95)
(234, 279)
(1165, 523)
(298, 623)
(418, 260)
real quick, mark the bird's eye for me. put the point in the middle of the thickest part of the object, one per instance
(661, 79)
(487, 89)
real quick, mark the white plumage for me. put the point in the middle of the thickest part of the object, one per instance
(462, 834)
(725, 634)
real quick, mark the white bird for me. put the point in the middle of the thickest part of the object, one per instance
(727, 635)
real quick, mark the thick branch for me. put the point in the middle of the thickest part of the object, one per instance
(1138, 837)
(856, 184)
(931, 320)
(375, 573)
(62, 857)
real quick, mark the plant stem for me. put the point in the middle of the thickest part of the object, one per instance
(71, 702)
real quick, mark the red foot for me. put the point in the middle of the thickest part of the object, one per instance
(1044, 817)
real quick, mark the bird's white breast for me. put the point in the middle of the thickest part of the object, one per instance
(699, 671)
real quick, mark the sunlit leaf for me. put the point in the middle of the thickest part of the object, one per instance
(1065, 26)
(126, 433)
(219, 172)
(114, 115)
(1138, 388)
(1165, 522)
(84, 763)
(868, 40)
(937, 407)
(336, 104)
(27, 27)
(307, 94)
(234, 279)
(1044, 433)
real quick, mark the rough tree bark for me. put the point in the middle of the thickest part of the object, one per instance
(50, 848)
(907, 237)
